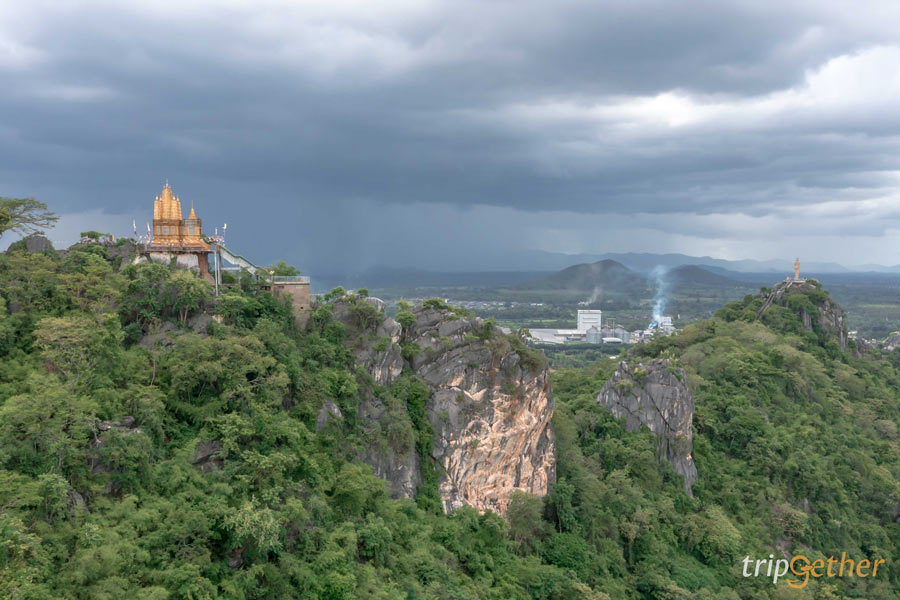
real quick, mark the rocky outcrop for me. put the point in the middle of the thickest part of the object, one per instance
(657, 396)
(188, 262)
(207, 456)
(828, 315)
(126, 426)
(121, 253)
(329, 412)
(490, 412)
(860, 346)
(490, 405)
(381, 357)
(37, 242)
(400, 467)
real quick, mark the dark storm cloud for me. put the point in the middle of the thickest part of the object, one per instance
(335, 121)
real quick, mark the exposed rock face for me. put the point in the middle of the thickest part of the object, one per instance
(830, 315)
(381, 358)
(188, 262)
(489, 411)
(861, 346)
(653, 395)
(37, 242)
(120, 253)
(401, 469)
(206, 456)
(329, 411)
(123, 425)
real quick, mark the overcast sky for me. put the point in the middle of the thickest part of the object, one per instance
(341, 134)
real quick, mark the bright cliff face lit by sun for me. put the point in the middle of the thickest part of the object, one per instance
(170, 230)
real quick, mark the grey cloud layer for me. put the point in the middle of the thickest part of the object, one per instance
(631, 110)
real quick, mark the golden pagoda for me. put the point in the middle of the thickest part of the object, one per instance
(170, 231)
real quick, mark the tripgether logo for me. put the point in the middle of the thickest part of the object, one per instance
(803, 568)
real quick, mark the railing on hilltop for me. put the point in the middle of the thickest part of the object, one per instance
(289, 279)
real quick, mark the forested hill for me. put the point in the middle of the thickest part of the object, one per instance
(587, 277)
(157, 443)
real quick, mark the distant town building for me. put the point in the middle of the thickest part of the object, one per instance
(594, 336)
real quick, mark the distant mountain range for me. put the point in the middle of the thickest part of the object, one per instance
(554, 269)
(611, 275)
(645, 262)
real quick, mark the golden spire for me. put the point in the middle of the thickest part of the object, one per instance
(167, 203)
(193, 215)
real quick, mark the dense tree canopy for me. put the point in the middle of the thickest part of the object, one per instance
(223, 485)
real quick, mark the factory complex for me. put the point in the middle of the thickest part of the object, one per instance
(590, 329)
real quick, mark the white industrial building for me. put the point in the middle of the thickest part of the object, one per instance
(588, 319)
(665, 325)
(590, 329)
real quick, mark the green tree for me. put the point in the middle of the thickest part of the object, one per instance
(187, 293)
(255, 525)
(281, 268)
(143, 300)
(89, 282)
(24, 564)
(95, 235)
(24, 215)
(526, 524)
(47, 429)
(75, 346)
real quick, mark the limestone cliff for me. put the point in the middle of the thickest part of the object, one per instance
(490, 404)
(188, 262)
(654, 395)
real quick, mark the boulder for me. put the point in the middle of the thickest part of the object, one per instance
(329, 411)
(206, 456)
(37, 242)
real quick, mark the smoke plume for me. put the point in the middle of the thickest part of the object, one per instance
(661, 297)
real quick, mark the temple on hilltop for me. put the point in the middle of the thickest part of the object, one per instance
(170, 231)
(175, 237)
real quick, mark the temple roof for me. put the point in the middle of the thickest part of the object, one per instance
(169, 204)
